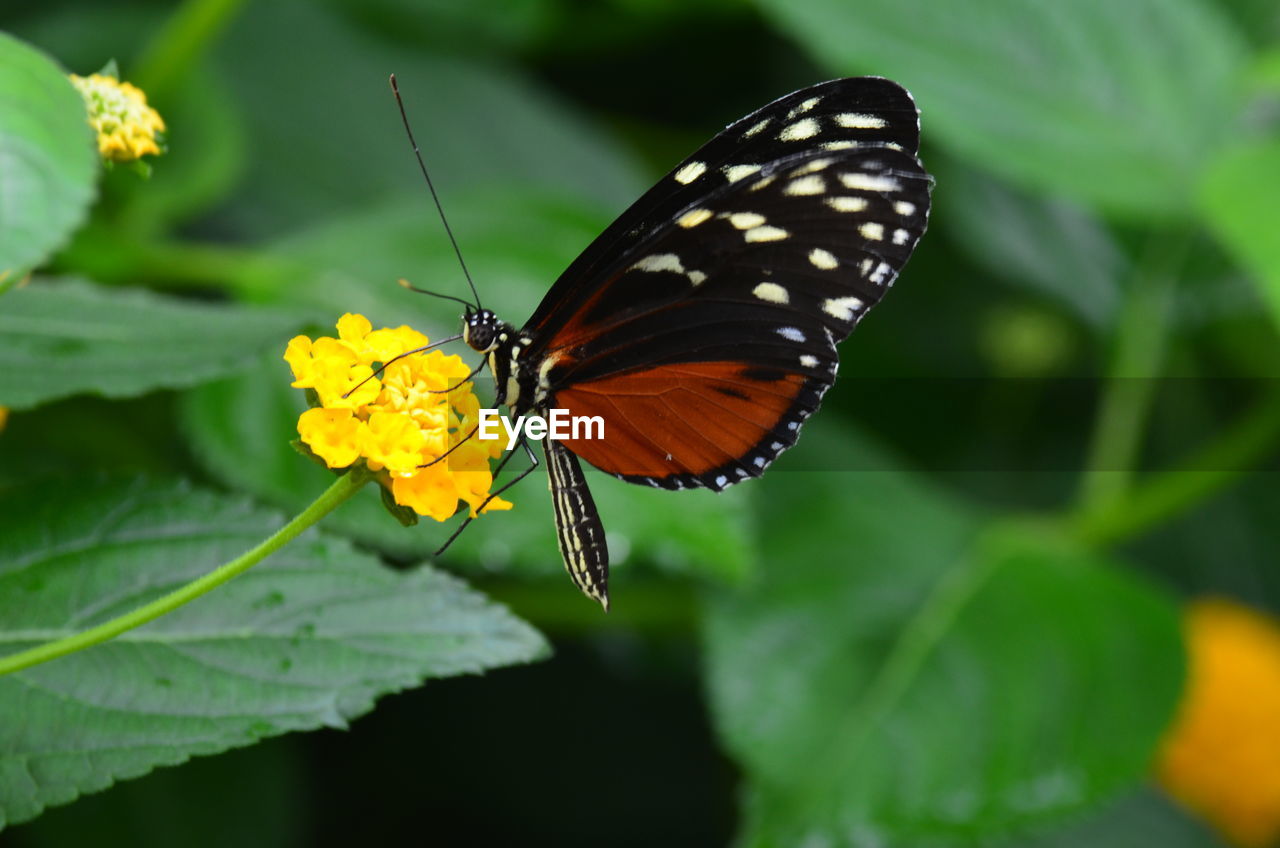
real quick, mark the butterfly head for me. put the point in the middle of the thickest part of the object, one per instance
(480, 330)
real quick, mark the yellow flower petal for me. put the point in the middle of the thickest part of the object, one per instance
(394, 442)
(127, 127)
(334, 435)
(430, 492)
(398, 422)
(1222, 756)
(352, 329)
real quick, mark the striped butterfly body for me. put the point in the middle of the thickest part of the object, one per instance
(702, 325)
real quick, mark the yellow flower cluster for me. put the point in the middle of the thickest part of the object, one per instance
(1222, 756)
(398, 421)
(127, 127)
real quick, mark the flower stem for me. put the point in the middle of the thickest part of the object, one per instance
(1165, 495)
(342, 489)
(1131, 380)
(180, 43)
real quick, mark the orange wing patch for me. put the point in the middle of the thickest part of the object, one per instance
(688, 418)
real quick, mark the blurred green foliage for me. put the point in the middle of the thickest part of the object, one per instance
(949, 617)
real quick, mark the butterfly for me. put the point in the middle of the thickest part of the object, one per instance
(701, 326)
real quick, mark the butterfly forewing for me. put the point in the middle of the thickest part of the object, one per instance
(714, 337)
(829, 117)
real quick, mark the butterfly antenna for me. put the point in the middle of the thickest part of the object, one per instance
(411, 287)
(404, 116)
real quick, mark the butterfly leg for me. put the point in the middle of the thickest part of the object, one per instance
(460, 383)
(460, 443)
(533, 460)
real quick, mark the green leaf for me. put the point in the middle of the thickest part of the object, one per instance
(1050, 246)
(200, 172)
(477, 124)
(240, 429)
(905, 673)
(308, 639)
(48, 157)
(352, 262)
(1143, 818)
(453, 25)
(1114, 104)
(1240, 201)
(65, 337)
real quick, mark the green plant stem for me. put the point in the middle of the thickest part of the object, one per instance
(180, 43)
(246, 272)
(342, 489)
(1130, 387)
(1167, 494)
(175, 265)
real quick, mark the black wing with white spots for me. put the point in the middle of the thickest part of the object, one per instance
(830, 117)
(704, 341)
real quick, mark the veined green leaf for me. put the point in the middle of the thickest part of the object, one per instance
(904, 674)
(1119, 105)
(66, 337)
(48, 160)
(310, 638)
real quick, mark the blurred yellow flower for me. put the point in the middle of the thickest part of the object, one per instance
(1221, 758)
(398, 421)
(4, 416)
(127, 127)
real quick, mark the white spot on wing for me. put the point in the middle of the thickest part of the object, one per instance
(690, 172)
(823, 259)
(791, 334)
(756, 128)
(722, 480)
(861, 121)
(881, 273)
(765, 234)
(697, 277)
(809, 361)
(871, 230)
(771, 292)
(656, 262)
(693, 217)
(870, 182)
(746, 220)
(733, 173)
(900, 236)
(762, 183)
(803, 107)
(811, 167)
(812, 184)
(842, 307)
(904, 208)
(847, 204)
(839, 145)
(799, 131)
